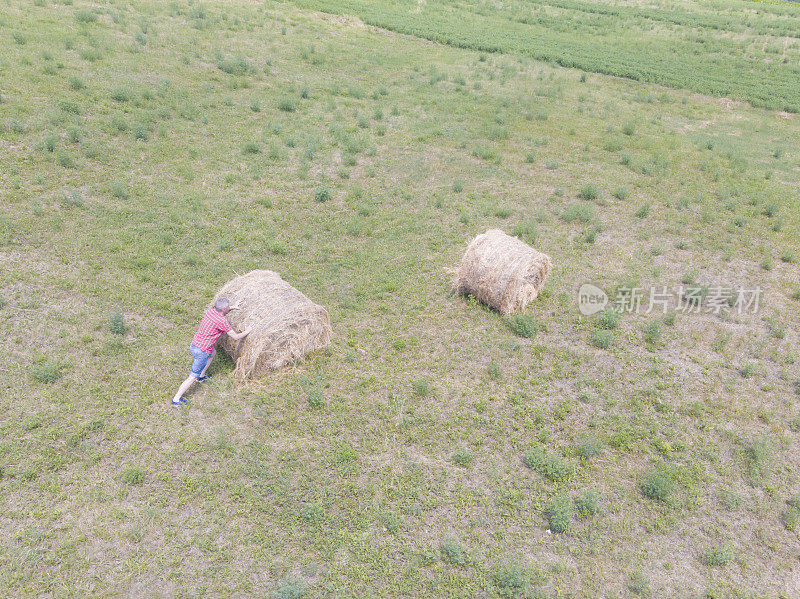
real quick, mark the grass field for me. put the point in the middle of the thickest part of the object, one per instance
(149, 151)
(745, 50)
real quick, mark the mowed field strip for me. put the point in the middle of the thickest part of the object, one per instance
(152, 151)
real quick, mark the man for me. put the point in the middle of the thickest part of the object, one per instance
(213, 325)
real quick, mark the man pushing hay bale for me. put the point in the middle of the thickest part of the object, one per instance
(284, 324)
(502, 271)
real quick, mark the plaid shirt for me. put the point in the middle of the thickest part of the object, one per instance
(211, 327)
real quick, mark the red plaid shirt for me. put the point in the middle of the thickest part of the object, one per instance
(211, 327)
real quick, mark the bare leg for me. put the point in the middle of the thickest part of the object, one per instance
(213, 353)
(184, 388)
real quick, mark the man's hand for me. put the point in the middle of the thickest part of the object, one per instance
(236, 336)
(236, 306)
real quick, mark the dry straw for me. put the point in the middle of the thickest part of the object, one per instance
(502, 271)
(285, 325)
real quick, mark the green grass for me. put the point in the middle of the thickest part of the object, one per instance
(625, 41)
(393, 463)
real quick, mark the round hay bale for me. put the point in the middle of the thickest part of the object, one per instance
(284, 324)
(502, 271)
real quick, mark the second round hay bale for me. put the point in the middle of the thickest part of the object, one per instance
(284, 324)
(502, 271)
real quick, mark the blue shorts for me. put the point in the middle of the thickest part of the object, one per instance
(200, 360)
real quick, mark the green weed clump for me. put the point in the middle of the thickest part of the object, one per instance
(524, 326)
(730, 500)
(591, 234)
(116, 322)
(121, 94)
(757, 456)
(794, 423)
(237, 65)
(290, 588)
(657, 486)
(601, 339)
(526, 231)
(629, 128)
(608, 319)
(276, 246)
(311, 514)
(119, 190)
(511, 582)
(69, 107)
(716, 556)
(790, 517)
(50, 142)
(652, 334)
(390, 522)
(74, 134)
(119, 123)
(132, 475)
(322, 194)
(65, 160)
(316, 399)
(287, 104)
(621, 193)
(587, 505)
(558, 513)
(463, 457)
(589, 446)
(494, 371)
(453, 553)
(251, 147)
(47, 372)
(141, 132)
(589, 191)
(580, 213)
(770, 209)
(639, 585)
(421, 387)
(551, 466)
(85, 16)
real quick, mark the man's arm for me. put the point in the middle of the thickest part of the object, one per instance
(236, 336)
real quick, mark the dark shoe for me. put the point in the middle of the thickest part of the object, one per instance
(203, 379)
(180, 402)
